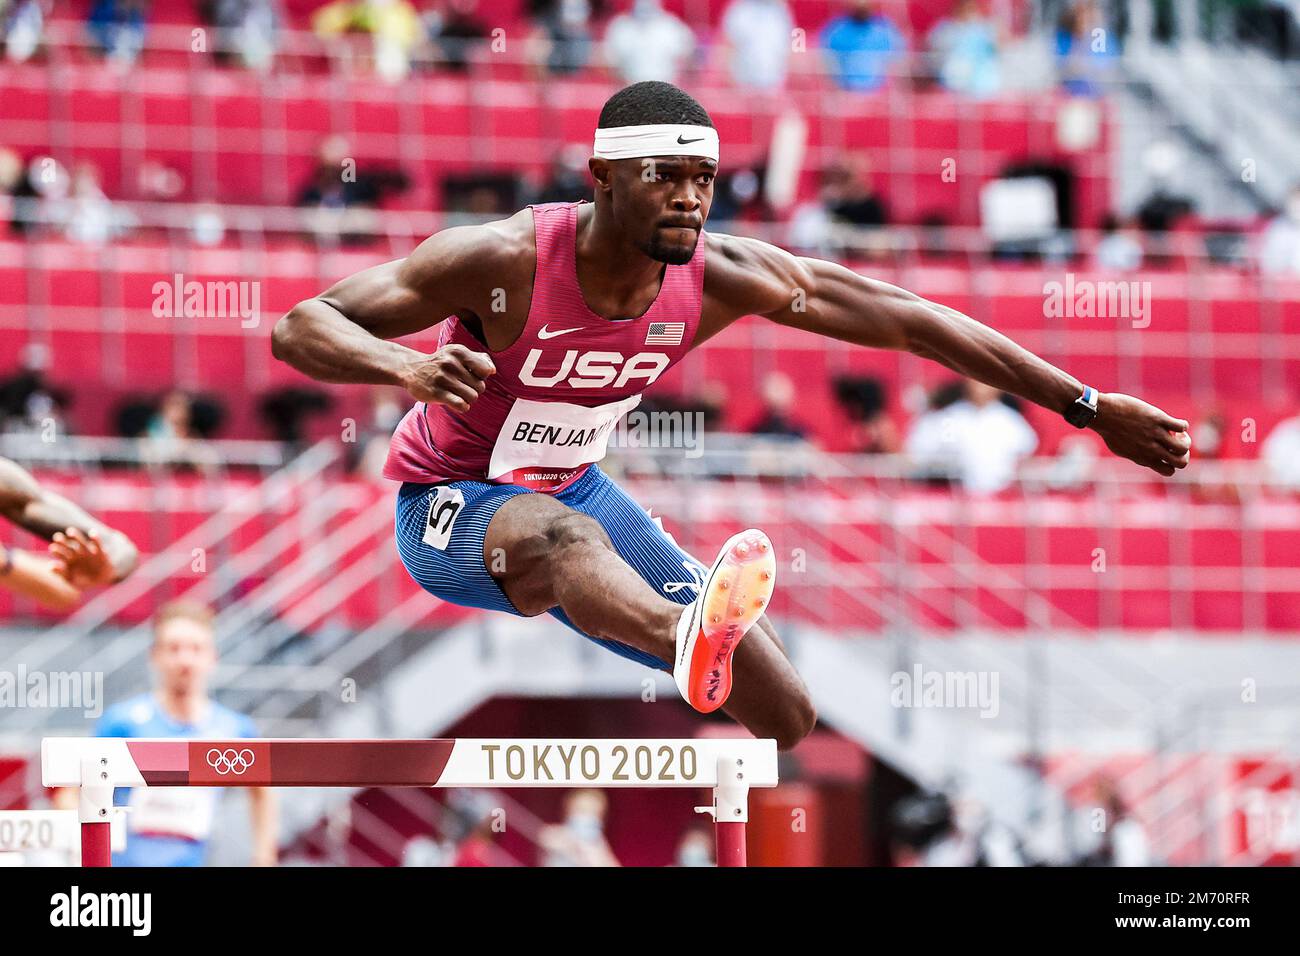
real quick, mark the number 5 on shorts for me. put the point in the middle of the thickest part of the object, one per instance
(443, 509)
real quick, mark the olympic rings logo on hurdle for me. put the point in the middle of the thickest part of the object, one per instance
(230, 761)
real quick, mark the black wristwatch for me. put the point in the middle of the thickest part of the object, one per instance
(1084, 409)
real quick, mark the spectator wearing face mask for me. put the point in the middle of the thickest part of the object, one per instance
(648, 43)
(978, 439)
(758, 36)
(580, 839)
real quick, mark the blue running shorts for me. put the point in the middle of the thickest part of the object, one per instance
(440, 532)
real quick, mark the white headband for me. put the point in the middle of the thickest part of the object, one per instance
(659, 139)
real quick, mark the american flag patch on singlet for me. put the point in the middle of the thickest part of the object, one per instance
(665, 333)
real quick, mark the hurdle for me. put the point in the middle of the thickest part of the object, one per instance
(730, 767)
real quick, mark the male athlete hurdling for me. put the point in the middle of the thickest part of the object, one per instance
(552, 323)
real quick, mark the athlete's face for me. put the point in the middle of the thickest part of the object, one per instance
(660, 203)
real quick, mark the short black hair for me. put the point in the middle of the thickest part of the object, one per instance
(652, 101)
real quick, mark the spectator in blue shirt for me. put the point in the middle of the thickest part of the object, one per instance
(117, 27)
(965, 48)
(861, 46)
(1085, 50)
(172, 826)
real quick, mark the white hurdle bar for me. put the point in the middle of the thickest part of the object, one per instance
(730, 767)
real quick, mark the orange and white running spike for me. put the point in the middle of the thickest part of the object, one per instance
(733, 597)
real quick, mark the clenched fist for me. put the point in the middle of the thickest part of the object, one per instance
(1142, 433)
(453, 376)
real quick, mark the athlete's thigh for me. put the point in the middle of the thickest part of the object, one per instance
(520, 547)
(442, 531)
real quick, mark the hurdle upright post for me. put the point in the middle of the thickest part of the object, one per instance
(730, 811)
(95, 812)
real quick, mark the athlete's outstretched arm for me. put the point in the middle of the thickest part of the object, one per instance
(831, 300)
(341, 335)
(84, 552)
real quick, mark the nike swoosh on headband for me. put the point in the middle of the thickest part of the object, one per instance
(684, 142)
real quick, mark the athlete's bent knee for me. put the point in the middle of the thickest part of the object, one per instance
(576, 529)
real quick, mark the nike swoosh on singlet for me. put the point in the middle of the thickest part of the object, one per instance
(684, 142)
(542, 333)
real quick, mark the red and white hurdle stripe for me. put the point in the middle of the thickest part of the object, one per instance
(98, 765)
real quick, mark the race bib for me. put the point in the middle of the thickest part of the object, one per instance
(443, 511)
(555, 435)
(173, 811)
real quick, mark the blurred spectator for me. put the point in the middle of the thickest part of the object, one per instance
(172, 421)
(394, 26)
(580, 839)
(965, 50)
(973, 839)
(695, 848)
(810, 226)
(863, 401)
(246, 31)
(208, 227)
(171, 826)
(28, 402)
(38, 191)
(778, 395)
(758, 37)
(91, 218)
(117, 27)
(1209, 435)
(174, 429)
(1163, 207)
(21, 25)
(569, 180)
(1281, 454)
(862, 45)
(477, 848)
(1120, 248)
(1122, 840)
(1280, 250)
(339, 183)
(286, 410)
(1085, 49)
(456, 32)
(847, 198)
(979, 439)
(159, 182)
(738, 197)
(562, 35)
(177, 430)
(856, 202)
(648, 43)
